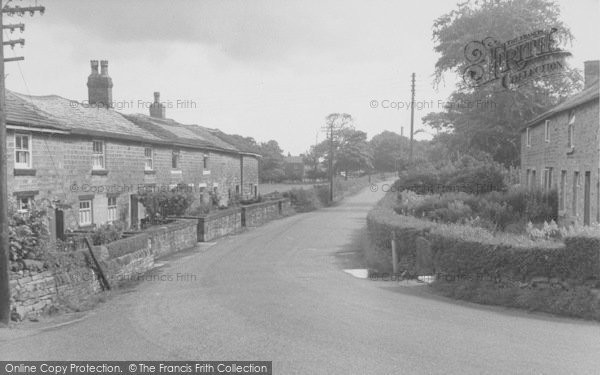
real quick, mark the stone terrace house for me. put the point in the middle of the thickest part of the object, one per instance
(560, 150)
(90, 163)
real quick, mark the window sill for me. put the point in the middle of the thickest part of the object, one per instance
(176, 171)
(99, 172)
(86, 227)
(24, 172)
(571, 151)
(149, 171)
(205, 173)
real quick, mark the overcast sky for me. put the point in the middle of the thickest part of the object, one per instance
(266, 69)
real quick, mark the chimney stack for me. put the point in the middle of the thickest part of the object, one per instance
(100, 85)
(157, 110)
(591, 71)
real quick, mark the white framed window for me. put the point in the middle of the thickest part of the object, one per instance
(547, 131)
(149, 158)
(98, 155)
(85, 212)
(112, 209)
(175, 159)
(528, 137)
(571, 130)
(22, 151)
(576, 185)
(24, 203)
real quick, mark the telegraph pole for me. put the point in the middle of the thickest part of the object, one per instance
(4, 243)
(412, 117)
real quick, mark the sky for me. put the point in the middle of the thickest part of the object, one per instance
(268, 69)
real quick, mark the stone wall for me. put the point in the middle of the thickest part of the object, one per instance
(221, 223)
(33, 292)
(259, 213)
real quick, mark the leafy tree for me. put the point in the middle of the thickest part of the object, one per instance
(488, 118)
(313, 159)
(271, 165)
(353, 151)
(388, 148)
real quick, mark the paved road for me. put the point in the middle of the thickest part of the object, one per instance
(278, 293)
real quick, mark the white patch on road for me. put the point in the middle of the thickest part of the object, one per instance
(426, 279)
(361, 273)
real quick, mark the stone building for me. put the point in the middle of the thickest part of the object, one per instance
(560, 150)
(90, 162)
(293, 167)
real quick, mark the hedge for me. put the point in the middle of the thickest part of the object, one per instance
(461, 250)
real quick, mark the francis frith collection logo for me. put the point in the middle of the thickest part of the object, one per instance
(515, 62)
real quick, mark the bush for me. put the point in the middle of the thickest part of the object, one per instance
(160, 204)
(466, 175)
(107, 233)
(303, 200)
(28, 232)
(493, 210)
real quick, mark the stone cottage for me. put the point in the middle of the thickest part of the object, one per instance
(89, 162)
(560, 150)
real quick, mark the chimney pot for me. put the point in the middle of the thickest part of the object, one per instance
(157, 110)
(94, 64)
(591, 72)
(104, 67)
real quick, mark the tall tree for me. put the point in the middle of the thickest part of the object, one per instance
(488, 118)
(388, 149)
(271, 164)
(353, 151)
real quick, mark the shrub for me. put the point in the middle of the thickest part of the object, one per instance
(28, 232)
(160, 204)
(493, 210)
(107, 233)
(303, 200)
(465, 175)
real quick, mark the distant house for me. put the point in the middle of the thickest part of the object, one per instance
(293, 168)
(91, 162)
(560, 150)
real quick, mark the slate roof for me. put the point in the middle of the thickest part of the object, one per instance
(233, 140)
(55, 112)
(587, 95)
(180, 134)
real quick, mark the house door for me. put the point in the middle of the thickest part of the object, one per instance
(586, 199)
(59, 222)
(133, 207)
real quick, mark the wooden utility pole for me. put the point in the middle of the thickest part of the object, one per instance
(412, 117)
(4, 243)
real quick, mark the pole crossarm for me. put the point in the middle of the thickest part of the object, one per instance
(20, 11)
(12, 27)
(12, 43)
